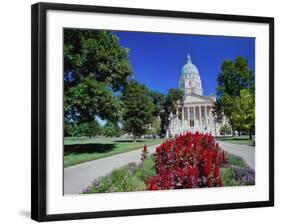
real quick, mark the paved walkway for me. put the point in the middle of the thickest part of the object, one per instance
(79, 177)
(244, 151)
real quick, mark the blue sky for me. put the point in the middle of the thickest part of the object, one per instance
(157, 58)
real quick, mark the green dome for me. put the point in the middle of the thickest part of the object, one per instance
(189, 68)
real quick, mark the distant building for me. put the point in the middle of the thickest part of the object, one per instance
(195, 112)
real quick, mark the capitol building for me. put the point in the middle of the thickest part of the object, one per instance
(194, 113)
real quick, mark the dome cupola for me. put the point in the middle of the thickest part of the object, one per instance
(189, 68)
(190, 81)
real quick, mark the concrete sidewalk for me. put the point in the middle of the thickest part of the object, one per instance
(244, 151)
(79, 177)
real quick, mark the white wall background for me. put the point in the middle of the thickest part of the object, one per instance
(15, 109)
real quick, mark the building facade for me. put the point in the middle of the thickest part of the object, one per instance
(194, 113)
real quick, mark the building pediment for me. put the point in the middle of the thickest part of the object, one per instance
(193, 98)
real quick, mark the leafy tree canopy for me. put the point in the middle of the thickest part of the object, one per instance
(244, 111)
(111, 129)
(98, 53)
(89, 98)
(138, 108)
(155, 127)
(86, 129)
(217, 111)
(158, 100)
(235, 77)
(95, 66)
(90, 129)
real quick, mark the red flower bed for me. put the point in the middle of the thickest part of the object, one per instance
(188, 161)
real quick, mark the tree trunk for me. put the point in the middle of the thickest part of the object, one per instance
(250, 134)
(135, 138)
(233, 131)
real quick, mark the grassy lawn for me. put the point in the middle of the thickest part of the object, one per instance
(240, 140)
(79, 150)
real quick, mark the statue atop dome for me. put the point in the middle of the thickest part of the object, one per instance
(188, 59)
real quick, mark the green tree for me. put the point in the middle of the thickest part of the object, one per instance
(173, 98)
(111, 129)
(234, 77)
(244, 113)
(158, 100)
(71, 129)
(225, 129)
(217, 111)
(138, 108)
(155, 127)
(96, 68)
(90, 98)
(89, 129)
(67, 129)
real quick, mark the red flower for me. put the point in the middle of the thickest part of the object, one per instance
(144, 148)
(144, 153)
(187, 161)
(152, 185)
(209, 182)
(217, 170)
(207, 168)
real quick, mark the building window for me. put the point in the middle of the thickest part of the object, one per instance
(189, 83)
(191, 123)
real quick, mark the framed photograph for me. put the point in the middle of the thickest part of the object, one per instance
(139, 111)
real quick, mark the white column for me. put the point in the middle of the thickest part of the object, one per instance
(182, 116)
(188, 116)
(200, 118)
(194, 116)
(211, 117)
(192, 108)
(195, 119)
(206, 117)
(177, 117)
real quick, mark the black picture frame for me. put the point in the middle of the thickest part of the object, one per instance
(39, 107)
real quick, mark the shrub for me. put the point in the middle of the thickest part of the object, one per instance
(227, 177)
(235, 161)
(225, 129)
(146, 169)
(119, 180)
(100, 185)
(128, 178)
(238, 176)
(188, 161)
